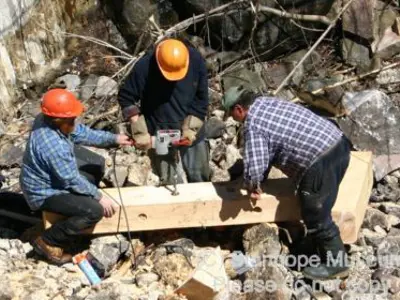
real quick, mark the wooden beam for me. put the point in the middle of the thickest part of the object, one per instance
(218, 204)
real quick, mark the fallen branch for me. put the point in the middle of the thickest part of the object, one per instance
(358, 77)
(298, 17)
(283, 83)
(219, 11)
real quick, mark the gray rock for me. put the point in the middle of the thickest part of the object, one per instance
(88, 87)
(356, 54)
(372, 238)
(5, 244)
(145, 279)
(105, 252)
(218, 114)
(388, 76)
(182, 246)
(214, 128)
(262, 239)
(333, 95)
(70, 81)
(375, 217)
(121, 174)
(106, 86)
(10, 155)
(394, 232)
(385, 192)
(367, 130)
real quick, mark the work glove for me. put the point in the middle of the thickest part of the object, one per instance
(140, 134)
(190, 127)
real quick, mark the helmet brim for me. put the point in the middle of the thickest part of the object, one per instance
(172, 75)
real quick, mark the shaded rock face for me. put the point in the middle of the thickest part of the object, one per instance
(368, 130)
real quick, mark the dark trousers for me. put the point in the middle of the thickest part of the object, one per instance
(81, 211)
(318, 190)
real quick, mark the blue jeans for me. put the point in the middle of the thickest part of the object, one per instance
(318, 190)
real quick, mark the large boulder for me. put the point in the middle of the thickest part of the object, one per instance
(372, 124)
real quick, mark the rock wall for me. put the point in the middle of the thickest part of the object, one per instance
(29, 46)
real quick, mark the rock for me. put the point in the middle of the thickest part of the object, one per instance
(392, 180)
(182, 246)
(174, 269)
(140, 174)
(11, 155)
(249, 79)
(388, 252)
(219, 114)
(393, 283)
(389, 45)
(219, 153)
(394, 231)
(145, 279)
(214, 128)
(385, 192)
(69, 81)
(388, 76)
(232, 156)
(356, 54)
(372, 238)
(105, 252)
(105, 87)
(262, 239)
(88, 87)
(333, 96)
(121, 172)
(375, 217)
(368, 131)
(358, 19)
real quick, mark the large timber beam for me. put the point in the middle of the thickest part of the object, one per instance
(218, 204)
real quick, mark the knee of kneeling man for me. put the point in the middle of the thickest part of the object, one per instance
(96, 212)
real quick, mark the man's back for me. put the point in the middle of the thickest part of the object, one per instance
(295, 136)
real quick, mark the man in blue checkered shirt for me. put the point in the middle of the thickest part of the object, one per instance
(50, 179)
(307, 148)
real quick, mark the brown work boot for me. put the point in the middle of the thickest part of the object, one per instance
(54, 254)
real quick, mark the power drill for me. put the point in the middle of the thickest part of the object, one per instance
(165, 140)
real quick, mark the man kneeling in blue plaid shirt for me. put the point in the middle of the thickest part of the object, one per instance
(50, 179)
(307, 148)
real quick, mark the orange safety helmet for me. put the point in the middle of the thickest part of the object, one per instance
(173, 59)
(60, 103)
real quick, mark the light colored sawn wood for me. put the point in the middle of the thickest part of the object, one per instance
(218, 204)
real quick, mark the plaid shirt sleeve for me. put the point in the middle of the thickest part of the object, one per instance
(256, 157)
(62, 165)
(87, 136)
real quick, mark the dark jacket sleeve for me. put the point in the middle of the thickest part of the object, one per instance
(200, 104)
(131, 92)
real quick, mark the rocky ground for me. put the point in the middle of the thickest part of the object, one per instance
(367, 109)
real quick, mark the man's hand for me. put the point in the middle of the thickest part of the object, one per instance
(140, 134)
(255, 195)
(108, 207)
(124, 140)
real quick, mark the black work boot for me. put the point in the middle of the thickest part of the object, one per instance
(334, 263)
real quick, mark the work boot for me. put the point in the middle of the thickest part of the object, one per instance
(54, 254)
(334, 263)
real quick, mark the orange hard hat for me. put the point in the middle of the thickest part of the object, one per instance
(173, 59)
(60, 103)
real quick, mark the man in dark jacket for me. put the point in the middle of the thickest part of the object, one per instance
(168, 89)
(307, 148)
